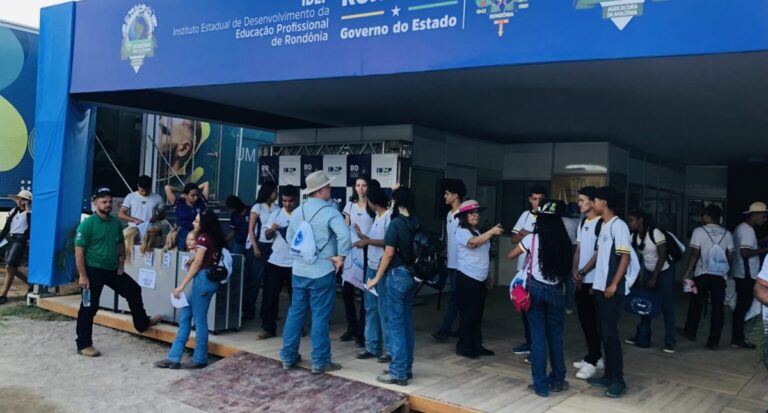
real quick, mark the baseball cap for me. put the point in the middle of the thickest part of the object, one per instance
(101, 193)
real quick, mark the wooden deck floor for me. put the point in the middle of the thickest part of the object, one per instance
(693, 379)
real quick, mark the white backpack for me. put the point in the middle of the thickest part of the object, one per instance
(303, 246)
(716, 260)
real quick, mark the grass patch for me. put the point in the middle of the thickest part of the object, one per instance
(20, 309)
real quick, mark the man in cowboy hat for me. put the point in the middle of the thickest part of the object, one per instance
(17, 226)
(314, 285)
(746, 266)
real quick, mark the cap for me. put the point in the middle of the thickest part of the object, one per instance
(550, 208)
(101, 193)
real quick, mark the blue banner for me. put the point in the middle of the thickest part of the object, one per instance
(123, 44)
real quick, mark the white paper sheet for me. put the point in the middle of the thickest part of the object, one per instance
(147, 278)
(181, 302)
(3, 243)
(370, 290)
(167, 260)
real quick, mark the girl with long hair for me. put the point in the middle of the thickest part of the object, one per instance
(547, 265)
(210, 241)
(258, 247)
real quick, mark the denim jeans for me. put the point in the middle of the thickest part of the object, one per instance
(196, 312)
(665, 285)
(376, 328)
(546, 318)
(400, 292)
(317, 294)
(253, 274)
(236, 247)
(453, 303)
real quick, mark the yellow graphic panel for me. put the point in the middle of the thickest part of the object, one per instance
(13, 136)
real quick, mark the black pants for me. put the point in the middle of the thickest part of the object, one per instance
(608, 313)
(275, 278)
(124, 286)
(585, 305)
(744, 297)
(471, 295)
(707, 285)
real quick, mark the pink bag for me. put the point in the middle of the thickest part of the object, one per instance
(518, 292)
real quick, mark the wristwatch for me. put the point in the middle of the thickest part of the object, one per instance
(582, 273)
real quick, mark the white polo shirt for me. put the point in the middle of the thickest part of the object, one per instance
(649, 252)
(281, 251)
(527, 221)
(473, 262)
(587, 240)
(142, 207)
(703, 239)
(378, 231)
(614, 232)
(451, 225)
(744, 237)
(264, 214)
(357, 216)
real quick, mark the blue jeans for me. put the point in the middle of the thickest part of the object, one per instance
(400, 292)
(453, 303)
(253, 274)
(547, 319)
(199, 300)
(318, 294)
(376, 318)
(665, 285)
(236, 247)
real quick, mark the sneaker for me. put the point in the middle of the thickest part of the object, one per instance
(194, 366)
(527, 360)
(486, 352)
(522, 349)
(441, 336)
(290, 366)
(533, 390)
(410, 375)
(167, 364)
(384, 359)
(568, 312)
(713, 346)
(631, 341)
(681, 331)
(669, 349)
(263, 335)
(586, 372)
(328, 367)
(89, 352)
(387, 379)
(155, 320)
(562, 387)
(600, 381)
(348, 336)
(365, 355)
(3, 300)
(616, 390)
(745, 344)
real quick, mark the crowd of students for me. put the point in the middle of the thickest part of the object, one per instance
(305, 248)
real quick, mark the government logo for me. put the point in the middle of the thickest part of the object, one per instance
(139, 41)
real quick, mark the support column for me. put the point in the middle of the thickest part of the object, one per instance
(63, 142)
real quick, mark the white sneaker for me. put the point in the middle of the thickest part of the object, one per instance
(600, 364)
(579, 364)
(587, 371)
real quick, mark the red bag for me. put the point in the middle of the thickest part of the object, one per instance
(518, 292)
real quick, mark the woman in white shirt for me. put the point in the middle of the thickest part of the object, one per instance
(549, 250)
(472, 278)
(258, 247)
(658, 275)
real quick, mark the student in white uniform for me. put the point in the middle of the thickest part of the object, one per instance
(278, 271)
(17, 226)
(376, 330)
(453, 194)
(712, 249)
(357, 214)
(761, 286)
(746, 265)
(472, 279)
(142, 205)
(611, 284)
(524, 226)
(548, 266)
(657, 275)
(584, 259)
(258, 247)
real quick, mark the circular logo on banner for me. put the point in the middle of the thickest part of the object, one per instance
(139, 36)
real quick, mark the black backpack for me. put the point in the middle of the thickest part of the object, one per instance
(674, 252)
(427, 258)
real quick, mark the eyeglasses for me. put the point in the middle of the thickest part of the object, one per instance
(474, 213)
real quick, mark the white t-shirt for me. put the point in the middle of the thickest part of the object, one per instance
(614, 231)
(472, 262)
(572, 227)
(527, 221)
(264, 214)
(357, 216)
(649, 253)
(281, 251)
(451, 225)
(377, 231)
(704, 238)
(527, 245)
(19, 223)
(587, 240)
(744, 237)
(142, 207)
(763, 274)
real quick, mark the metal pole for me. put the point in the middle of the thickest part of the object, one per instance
(109, 158)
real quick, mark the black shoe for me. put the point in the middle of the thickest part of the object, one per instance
(533, 390)
(387, 379)
(384, 359)
(713, 346)
(410, 375)
(746, 344)
(486, 352)
(290, 366)
(471, 356)
(329, 367)
(616, 390)
(562, 387)
(348, 336)
(600, 381)
(631, 341)
(167, 364)
(3, 300)
(441, 336)
(194, 366)
(681, 331)
(365, 355)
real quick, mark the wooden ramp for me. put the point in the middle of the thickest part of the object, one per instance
(250, 383)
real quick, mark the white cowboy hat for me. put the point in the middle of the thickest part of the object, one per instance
(756, 207)
(23, 194)
(317, 181)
